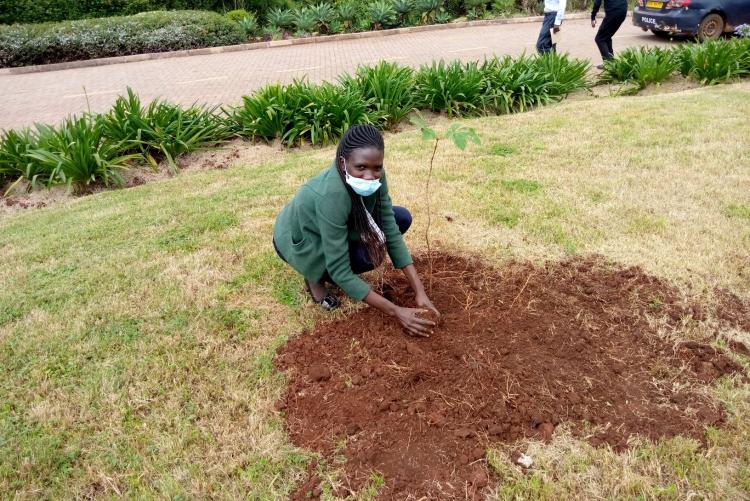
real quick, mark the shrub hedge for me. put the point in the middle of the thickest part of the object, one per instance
(42, 11)
(22, 45)
(96, 147)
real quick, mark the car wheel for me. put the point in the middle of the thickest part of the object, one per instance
(711, 27)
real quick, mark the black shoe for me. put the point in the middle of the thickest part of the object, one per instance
(329, 301)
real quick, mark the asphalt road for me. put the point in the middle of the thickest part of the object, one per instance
(48, 97)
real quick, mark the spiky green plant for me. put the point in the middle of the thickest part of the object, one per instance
(714, 61)
(640, 66)
(347, 12)
(512, 85)
(79, 154)
(565, 75)
(250, 25)
(443, 17)
(324, 112)
(15, 162)
(283, 18)
(382, 14)
(428, 10)
(403, 8)
(266, 114)
(304, 21)
(323, 13)
(162, 129)
(455, 88)
(387, 87)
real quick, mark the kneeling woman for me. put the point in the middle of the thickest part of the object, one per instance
(341, 223)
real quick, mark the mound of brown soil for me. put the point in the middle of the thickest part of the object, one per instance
(519, 351)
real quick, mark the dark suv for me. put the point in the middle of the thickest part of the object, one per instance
(706, 19)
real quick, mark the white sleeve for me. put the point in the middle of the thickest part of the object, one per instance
(560, 12)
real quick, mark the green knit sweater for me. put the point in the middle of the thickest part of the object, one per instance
(313, 235)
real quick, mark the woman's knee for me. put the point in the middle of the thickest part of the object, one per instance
(403, 218)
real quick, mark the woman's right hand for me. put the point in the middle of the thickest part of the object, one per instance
(414, 324)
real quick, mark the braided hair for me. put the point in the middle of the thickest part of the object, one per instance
(362, 136)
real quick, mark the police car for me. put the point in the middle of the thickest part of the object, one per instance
(705, 19)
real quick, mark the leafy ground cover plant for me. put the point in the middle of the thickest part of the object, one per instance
(454, 87)
(382, 14)
(78, 154)
(567, 75)
(715, 61)
(162, 129)
(387, 88)
(640, 66)
(15, 162)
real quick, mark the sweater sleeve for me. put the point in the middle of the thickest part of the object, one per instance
(332, 221)
(595, 8)
(394, 241)
(560, 12)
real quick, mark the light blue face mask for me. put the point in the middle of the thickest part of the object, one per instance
(360, 186)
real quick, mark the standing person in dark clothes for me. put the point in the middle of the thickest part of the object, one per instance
(615, 12)
(342, 223)
(554, 12)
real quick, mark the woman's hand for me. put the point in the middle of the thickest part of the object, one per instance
(411, 321)
(424, 302)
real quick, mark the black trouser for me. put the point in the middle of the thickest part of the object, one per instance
(613, 18)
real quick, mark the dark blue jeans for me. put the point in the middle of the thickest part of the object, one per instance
(358, 256)
(544, 42)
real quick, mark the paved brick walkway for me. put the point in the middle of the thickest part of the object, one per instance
(223, 78)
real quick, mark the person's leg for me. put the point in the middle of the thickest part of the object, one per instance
(544, 42)
(618, 19)
(403, 218)
(359, 258)
(601, 39)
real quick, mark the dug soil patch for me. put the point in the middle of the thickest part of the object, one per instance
(520, 350)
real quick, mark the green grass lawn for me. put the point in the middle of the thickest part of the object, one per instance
(138, 327)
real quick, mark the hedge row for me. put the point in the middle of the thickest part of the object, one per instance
(22, 45)
(95, 148)
(41, 11)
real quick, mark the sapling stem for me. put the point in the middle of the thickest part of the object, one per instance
(429, 216)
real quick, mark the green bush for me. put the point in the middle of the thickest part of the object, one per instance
(565, 75)
(640, 66)
(79, 154)
(512, 85)
(15, 162)
(41, 11)
(282, 18)
(237, 15)
(250, 25)
(455, 88)
(428, 10)
(323, 14)
(714, 61)
(22, 45)
(162, 130)
(304, 21)
(347, 13)
(387, 87)
(301, 112)
(382, 14)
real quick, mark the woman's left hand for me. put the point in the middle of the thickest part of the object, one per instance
(424, 302)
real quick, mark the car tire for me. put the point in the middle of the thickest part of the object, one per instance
(711, 27)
